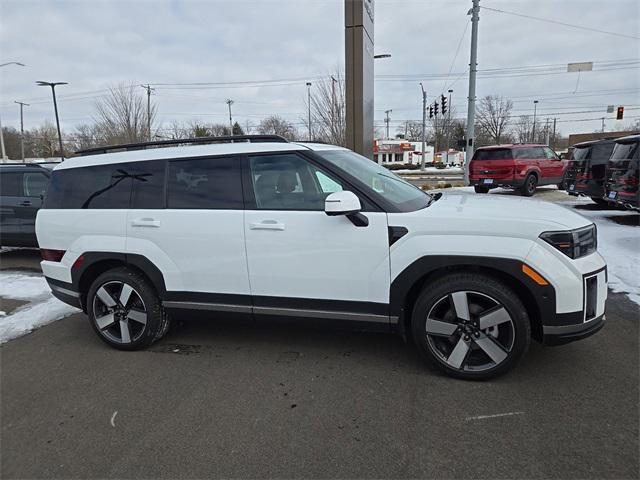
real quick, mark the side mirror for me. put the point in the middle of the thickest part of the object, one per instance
(342, 203)
(348, 204)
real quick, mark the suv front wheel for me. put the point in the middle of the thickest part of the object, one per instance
(471, 326)
(125, 310)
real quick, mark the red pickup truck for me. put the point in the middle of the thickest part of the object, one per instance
(518, 165)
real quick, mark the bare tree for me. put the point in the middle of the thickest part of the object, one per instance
(522, 128)
(493, 116)
(328, 119)
(441, 130)
(45, 141)
(121, 115)
(413, 131)
(275, 125)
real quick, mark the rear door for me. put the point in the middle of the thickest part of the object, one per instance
(34, 187)
(195, 233)
(303, 262)
(11, 210)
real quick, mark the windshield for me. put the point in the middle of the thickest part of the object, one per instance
(394, 189)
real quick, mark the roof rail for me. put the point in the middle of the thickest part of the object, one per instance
(181, 141)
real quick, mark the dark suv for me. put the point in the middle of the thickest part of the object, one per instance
(623, 173)
(585, 172)
(22, 188)
(519, 166)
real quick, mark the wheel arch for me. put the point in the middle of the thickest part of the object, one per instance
(406, 287)
(96, 263)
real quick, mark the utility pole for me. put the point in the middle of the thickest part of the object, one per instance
(309, 105)
(22, 104)
(449, 125)
(533, 131)
(546, 132)
(424, 128)
(148, 89)
(473, 68)
(229, 102)
(55, 108)
(554, 133)
(602, 124)
(386, 120)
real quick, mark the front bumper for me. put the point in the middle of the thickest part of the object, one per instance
(562, 334)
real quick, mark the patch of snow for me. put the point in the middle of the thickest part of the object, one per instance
(430, 170)
(43, 308)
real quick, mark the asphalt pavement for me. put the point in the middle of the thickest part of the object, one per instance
(235, 399)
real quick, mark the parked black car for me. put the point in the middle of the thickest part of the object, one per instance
(22, 188)
(586, 171)
(623, 173)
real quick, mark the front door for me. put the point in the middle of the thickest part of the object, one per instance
(303, 262)
(553, 167)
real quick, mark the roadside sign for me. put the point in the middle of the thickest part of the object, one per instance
(610, 108)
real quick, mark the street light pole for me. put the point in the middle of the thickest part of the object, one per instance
(424, 128)
(55, 108)
(2, 150)
(309, 105)
(533, 132)
(333, 107)
(22, 104)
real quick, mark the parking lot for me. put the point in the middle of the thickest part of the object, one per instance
(228, 399)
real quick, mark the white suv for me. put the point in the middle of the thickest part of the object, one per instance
(260, 226)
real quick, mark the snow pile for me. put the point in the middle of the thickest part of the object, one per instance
(42, 308)
(430, 170)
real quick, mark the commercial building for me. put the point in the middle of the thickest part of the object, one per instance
(400, 152)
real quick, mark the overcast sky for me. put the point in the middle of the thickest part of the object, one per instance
(94, 44)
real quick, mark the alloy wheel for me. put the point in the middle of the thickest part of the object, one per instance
(470, 331)
(119, 312)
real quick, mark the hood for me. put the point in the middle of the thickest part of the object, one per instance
(500, 215)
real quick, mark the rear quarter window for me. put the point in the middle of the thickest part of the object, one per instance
(95, 187)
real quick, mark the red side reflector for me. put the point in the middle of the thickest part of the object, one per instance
(52, 255)
(78, 262)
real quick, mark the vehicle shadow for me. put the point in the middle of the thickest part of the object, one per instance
(24, 259)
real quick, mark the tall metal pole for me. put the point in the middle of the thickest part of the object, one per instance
(386, 120)
(554, 134)
(2, 150)
(473, 68)
(22, 104)
(546, 132)
(449, 125)
(533, 132)
(602, 124)
(424, 128)
(309, 105)
(333, 106)
(55, 108)
(229, 102)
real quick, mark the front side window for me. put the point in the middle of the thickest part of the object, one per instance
(602, 151)
(205, 183)
(11, 184)
(95, 187)
(625, 151)
(581, 154)
(550, 154)
(404, 196)
(35, 184)
(289, 182)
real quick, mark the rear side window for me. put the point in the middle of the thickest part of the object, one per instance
(581, 154)
(625, 151)
(147, 184)
(602, 151)
(97, 187)
(205, 183)
(493, 154)
(11, 184)
(35, 184)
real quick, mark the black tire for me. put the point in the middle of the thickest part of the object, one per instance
(142, 300)
(480, 189)
(600, 201)
(507, 341)
(529, 186)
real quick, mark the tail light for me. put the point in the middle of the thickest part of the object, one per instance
(51, 255)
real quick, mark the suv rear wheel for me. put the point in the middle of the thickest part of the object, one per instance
(125, 310)
(471, 326)
(530, 184)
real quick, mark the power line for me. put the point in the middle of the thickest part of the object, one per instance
(582, 27)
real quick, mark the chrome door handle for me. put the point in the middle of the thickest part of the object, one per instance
(145, 222)
(267, 225)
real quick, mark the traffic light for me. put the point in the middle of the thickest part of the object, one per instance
(620, 113)
(431, 111)
(443, 101)
(435, 108)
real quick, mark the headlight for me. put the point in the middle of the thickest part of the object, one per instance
(574, 243)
